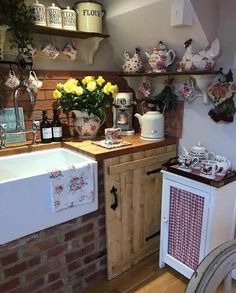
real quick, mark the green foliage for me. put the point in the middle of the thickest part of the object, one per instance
(19, 18)
(167, 99)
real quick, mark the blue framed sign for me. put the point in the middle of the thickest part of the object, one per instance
(7, 116)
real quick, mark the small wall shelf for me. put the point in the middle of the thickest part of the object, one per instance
(202, 79)
(153, 74)
(66, 33)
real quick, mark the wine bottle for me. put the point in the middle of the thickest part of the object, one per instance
(45, 129)
(56, 127)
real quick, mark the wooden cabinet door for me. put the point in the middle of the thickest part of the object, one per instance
(133, 204)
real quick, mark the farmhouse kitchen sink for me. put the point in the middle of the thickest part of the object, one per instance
(25, 191)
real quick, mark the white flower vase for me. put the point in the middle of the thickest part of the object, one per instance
(86, 125)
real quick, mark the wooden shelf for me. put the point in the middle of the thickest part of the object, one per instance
(66, 33)
(168, 73)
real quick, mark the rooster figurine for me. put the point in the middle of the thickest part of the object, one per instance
(199, 61)
(132, 64)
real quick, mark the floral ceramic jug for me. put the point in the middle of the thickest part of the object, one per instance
(86, 125)
(160, 58)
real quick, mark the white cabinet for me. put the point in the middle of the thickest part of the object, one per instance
(195, 218)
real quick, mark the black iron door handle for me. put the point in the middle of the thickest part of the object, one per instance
(115, 203)
(154, 171)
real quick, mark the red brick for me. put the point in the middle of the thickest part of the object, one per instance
(101, 232)
(101, 222)
(35, 285)
(42, 270)
(53, 276)
(41, 245)
(8, 259)
(74, 265)
(79, 253)
(88, 238)
(52, 288)
(9, 285)
(86, 270)
(16, 269)
(93, 256)
(56, 251)
(34, 261)
(78, 232)
(103, 261)
(96, 275)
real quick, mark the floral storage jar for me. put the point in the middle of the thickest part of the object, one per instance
(54, 16)
(39, 12)
(69, 19)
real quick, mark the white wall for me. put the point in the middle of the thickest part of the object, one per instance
(218, 137)
(149, 24)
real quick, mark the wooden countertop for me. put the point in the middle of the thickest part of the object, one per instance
(100, 153)
(88, 148)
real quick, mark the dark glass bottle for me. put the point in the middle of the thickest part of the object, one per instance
(56, 127)
(45, 129)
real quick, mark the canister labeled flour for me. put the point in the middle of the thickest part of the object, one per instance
(89, 16)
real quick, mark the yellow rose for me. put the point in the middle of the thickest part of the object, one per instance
(107, 88)
(114, 89)
(56, 94)
(88, 79)
(72, 81)
(78, 90)
(68, 87)
(100, 80)
(59, 86)
(91, 86)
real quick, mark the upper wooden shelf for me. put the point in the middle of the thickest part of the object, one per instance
(168, 73)
(66, 33)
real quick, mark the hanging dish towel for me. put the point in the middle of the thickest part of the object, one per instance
(72, 186)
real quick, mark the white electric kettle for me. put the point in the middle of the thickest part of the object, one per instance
(152, 125)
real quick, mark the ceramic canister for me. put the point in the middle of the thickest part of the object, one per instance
(54, 16)
(69, 19)
(89, 16)
(39, 12)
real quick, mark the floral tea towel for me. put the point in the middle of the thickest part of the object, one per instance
(71, 187)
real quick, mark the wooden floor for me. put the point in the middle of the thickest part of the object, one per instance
(146, 277)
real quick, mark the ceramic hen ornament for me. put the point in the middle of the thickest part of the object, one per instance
(199, 61)
(132, 64)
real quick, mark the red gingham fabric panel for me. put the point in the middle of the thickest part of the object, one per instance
(185, 225)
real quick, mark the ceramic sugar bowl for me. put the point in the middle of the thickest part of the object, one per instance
(160, 58)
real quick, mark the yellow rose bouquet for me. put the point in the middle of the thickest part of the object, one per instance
(91, 95)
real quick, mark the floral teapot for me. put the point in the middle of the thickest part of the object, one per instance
(200, 152)
(160, 58)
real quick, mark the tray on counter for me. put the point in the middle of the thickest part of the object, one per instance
(217, 181)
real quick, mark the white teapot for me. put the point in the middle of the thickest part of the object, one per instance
(152, 125)
(160, 58)
(200, 152)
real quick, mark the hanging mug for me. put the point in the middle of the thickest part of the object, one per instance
(12, 80)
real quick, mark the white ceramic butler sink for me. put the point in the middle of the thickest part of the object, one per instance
(26, 191)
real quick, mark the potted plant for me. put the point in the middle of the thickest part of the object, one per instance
(19, 18)
(88, 99)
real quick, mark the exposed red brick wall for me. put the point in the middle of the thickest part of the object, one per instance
(62, 258)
